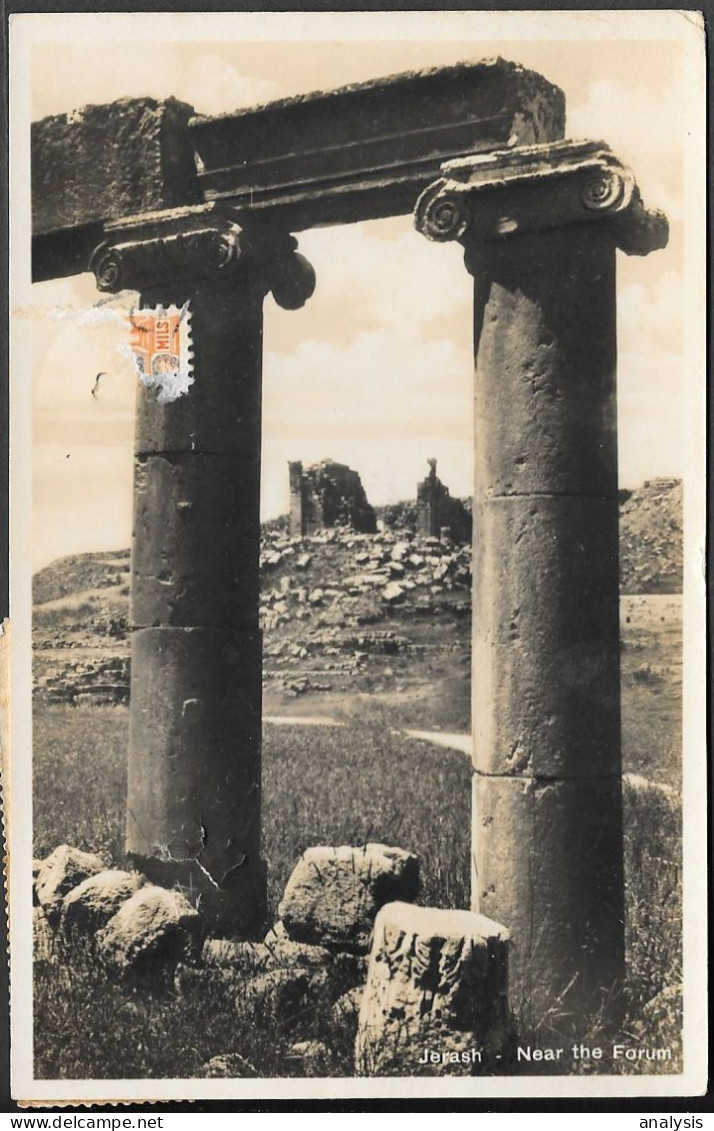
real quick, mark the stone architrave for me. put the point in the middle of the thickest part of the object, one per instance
(436, 998)
(331, 157)
(540, 225)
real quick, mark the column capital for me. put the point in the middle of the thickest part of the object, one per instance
(201, 243)
(535, 188)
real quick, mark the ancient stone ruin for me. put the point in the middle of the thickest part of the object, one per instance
(437, 513)
(328, 494)
(477, 153)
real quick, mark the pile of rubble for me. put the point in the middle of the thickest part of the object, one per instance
(333, 605)
(651, 542)
(405, 570)
(350, 952)
(89, 682)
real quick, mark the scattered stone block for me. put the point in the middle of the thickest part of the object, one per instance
(227, 1066)
(334, 894)
(437, 981)
(393, 593)
(257, 958)
(153, 930)
(91, 904)
(60, 872)
(285, 995)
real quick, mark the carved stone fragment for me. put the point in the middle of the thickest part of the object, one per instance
(436, 995)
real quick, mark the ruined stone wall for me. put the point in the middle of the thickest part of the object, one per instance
(325, 495)
(437, 510)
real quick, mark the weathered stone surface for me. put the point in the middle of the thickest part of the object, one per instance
(436, 509)
(326, 495)
(253, 958)
(367, 150)
(333, 895)
(547, 349)
(547, 700)
(548, 860)
(60, 872)
(437, 980)
(547, 830)
(276, 933)
(284, 977)
(101, 163)
(288, 995)
(194, 763)
(393, 593)
(190, 495)
(91, 904)
(195, 744)
(152, 930)
(661, 1019)
(221, 413)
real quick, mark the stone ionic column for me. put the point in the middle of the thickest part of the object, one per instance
(540, 226)
(194, 763)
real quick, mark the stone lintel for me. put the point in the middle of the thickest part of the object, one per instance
(335, 157)
(100, 163)
(536, 188)
(199, 243)
(367, 150)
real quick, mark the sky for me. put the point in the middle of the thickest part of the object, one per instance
(377, 369)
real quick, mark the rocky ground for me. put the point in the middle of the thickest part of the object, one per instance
(343, 614)
(651, 538)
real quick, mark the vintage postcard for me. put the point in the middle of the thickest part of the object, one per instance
(356, 725)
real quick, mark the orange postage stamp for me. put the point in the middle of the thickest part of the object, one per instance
(160, 343)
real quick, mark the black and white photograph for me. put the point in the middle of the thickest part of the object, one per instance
(357, 500)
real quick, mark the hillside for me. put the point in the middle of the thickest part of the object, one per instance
(343, 614)
(651, 538)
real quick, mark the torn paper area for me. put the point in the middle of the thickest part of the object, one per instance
(162, 350)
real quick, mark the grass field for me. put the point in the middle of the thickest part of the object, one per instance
(349, 785)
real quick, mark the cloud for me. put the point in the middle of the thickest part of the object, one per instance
(76, 76)
(650, 314)
(644, 127)
(213, 86)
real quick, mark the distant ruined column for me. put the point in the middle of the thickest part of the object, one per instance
(297, 499)
(540, 225)
(194, 761)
